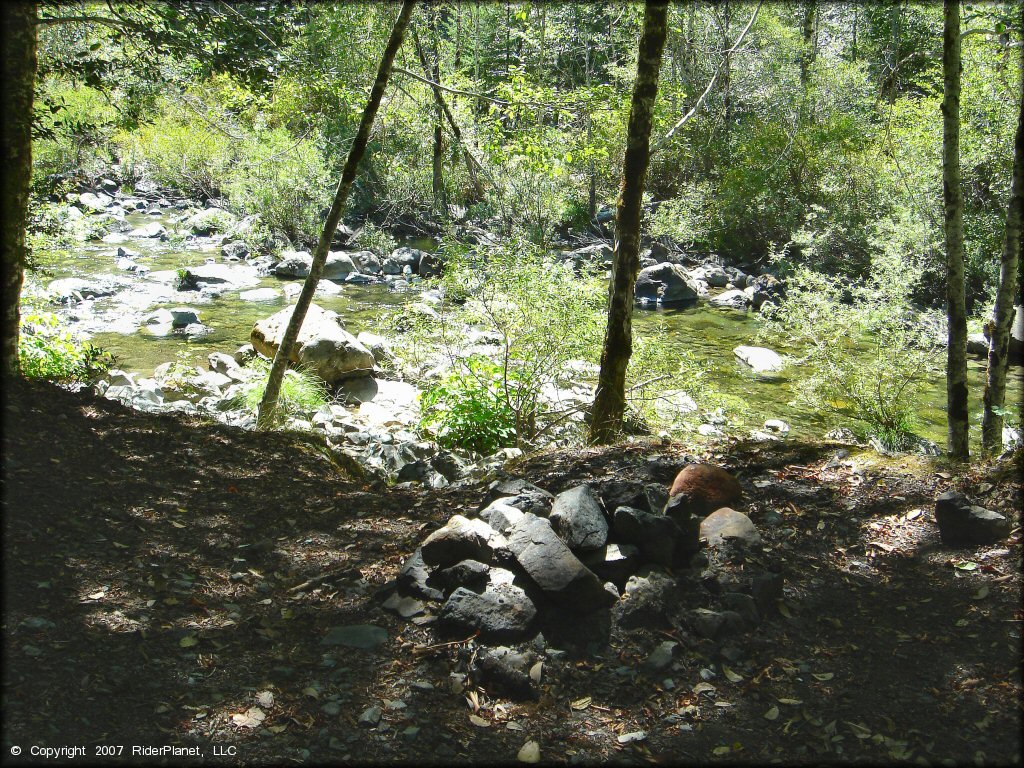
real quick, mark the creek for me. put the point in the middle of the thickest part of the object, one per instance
(113, 323)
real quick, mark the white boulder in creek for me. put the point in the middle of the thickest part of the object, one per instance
(761, 359)
(324, 347)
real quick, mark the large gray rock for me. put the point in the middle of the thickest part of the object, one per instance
(647, 599)
(553, 567)
(521, 494)
(501, 516)
(760, 359)
(324, 347)
(961, 523)
(413, 578)
(368, 262)
(95, 202)
(665, 283)
(401, 258)
(727, 523)
(294, 264)
(462, 539)
(338, 266)
(502, 613)
(577, 518)
(506, 672)
(734, 299)
(655, 535)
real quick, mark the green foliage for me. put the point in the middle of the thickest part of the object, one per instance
(74, 138)
(468, 409)
(370, 237)
(301, 391)
(47, 349)
(860, 358)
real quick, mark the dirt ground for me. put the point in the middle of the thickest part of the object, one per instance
(170, 582)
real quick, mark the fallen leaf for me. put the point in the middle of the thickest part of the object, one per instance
(176, 524)
(628, 738)
(719, 751)
(479, 721)
(731, 676)
(967, 565)
(784, 610)
(790, 702)
(703, 688)
(188, 641)
(96, 595)
(536, 672)
(823, 676)
(265, 698)
(772, 713)
(529, 752)
(982, 593)
(312, 692)
(581, 703)
(251, 718)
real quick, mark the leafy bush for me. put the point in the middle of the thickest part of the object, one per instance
(301, 392)
(370, 237)
(468, 409)
(861, 358)
(47, 349)
(74, 139)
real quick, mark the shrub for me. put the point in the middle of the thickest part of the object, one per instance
(47, 349)
(468, 409)
(301, 392)
(861, 358)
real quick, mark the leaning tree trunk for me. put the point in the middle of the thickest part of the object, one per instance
(19, 76)
(1002, 314)
(437, 181)
(956, 358)
(610, 398)
(268, 404)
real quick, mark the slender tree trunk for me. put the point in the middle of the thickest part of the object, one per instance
(437, 182)
(892, 51)
(1002, 314)
(610, 398)
(853, 51)
(19, 76)
(268, 404)
(727, 83)
(809, 52)
(476, 190)
(956, 360)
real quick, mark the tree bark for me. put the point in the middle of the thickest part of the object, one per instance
(610, 398)
(1002, 314)
(268, 404)
(809, 52)
(19, 75)
(437, 181)
(956, 358)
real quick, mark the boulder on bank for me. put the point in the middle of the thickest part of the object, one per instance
(665, 283)
(401, 258)
(734, 299)
(727, 523)
(703, 488)
(962, 524)
(323, 345)
(577, 518)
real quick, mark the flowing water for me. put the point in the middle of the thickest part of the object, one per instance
(707, 332)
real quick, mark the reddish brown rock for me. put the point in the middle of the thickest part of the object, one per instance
(703, 488)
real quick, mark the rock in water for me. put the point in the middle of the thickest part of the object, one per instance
(553, 567)
(323, 345)
(577, 518)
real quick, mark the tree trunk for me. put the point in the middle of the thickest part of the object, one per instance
(727, 83)
(610, 399)
(19, 76)
(956, 359)
(892, 51)
(809, 52)
(437, 182)
(268, 404)
(1002, 314)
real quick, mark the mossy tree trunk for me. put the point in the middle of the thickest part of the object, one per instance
(1002, 314)
(953, 204)
(19, 76)
(610, 399)
(268, 405)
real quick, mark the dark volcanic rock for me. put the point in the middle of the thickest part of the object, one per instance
(500, 515)
(503, 613)
(412, 578)
(655, 535)
(506, 672)
(467, 573)
(577, 518)
(522, 495)
(553, 567)
(648, 598)
(461, 539)
(962, 524)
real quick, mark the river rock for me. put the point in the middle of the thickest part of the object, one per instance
(521, 494)
(71, 290)
(154, 230)
(323, 345)
(502, 613)
(655, 535)
(577, 518)
(963, 524)
(764, 289)
(210, 220)
(703, 488)
(183, 316)
(734, 299)
(716, 276)
(505, 671)
(471, 574)
(727, 523)
(431, 265)
(234, 251)
(338, 266)
(413, 578)
(646, 601)
(378, 346)
(461, 539)
(294, 264)
(95, 201)
(367, 262)
(501, 516)
(401, 258)
(553, 567)
(760, 359)
(665, 283)
(260, 294)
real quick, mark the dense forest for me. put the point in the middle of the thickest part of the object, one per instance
(421, 263)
